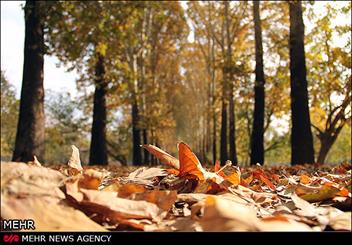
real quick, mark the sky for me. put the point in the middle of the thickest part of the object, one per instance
(55, 78)
(12, 42)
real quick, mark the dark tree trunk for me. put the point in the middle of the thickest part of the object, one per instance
(223, 133)
(302, 150)
(232, 131)
(98, 149)
(325, 146)
(31, 122)
(257, 139)
(145, 141)
(214, 137)
(230, 87)
(136, 134)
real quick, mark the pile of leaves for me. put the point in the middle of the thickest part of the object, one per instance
(182, 196)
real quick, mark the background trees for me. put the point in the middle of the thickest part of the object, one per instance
(160, 72)
(330, 75)
(9, 115)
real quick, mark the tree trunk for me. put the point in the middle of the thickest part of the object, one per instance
(214, 137)
(31, 121)
(325, 146)
(145, 141)
(230, 88)
(232, 130)
(136, 134)
(301, 136)
(223, 133)
(98, 148)
(257, 139)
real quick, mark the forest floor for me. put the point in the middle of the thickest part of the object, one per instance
(68, 197)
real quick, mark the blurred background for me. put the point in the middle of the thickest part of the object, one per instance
(163, 72)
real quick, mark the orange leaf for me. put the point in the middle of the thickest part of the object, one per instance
(128, 189)
(275, 218)
(247, 180)
(267, 182)
(217, 166)
(259, 174)
(189, 163)
(173, 171)
(276, 177)
(234, 178)
(343, 192)
(304, 179)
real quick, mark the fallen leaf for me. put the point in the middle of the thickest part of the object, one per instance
(216, 214)
(90, 179)
(316, 194)
(247, 181)
(145, 176)
(217, 166)
(115, 208)
(36, 162)
(173, 171)
(189, 163)
(163, 199)
(127, 189)
(307, 208)
(342, 221)
(75, 161)
(163, 156)
(23, 179)
(281, 223)
(304, 179)
(47, 214)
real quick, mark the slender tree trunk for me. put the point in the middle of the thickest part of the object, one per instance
(98, 148)
(145, 141)
(152, 138)
(136, 134)
(223, 133)
(31, 121)
(230, 96)
(208, 112)
(232, 131)
(214, 137)
(301, 136)
(257, 139)
(325, 146)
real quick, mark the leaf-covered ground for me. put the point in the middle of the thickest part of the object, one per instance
(178, 196)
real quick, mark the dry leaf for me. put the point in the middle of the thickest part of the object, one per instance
(217, 214)
(304, 179)
(35, 162)
(316, 194)
(127, 189)
(145, 176)
(23, 179)
(109, 204)
(48, 214)
(281, 223)
(163, 156)
(75, 161)
(163, 199)
(342, 221)
(189, 163)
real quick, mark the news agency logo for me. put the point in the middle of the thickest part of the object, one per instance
(17, 224)
(11, 238)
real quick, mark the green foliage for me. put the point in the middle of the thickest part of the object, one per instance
(65, 126)
(9, 117)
